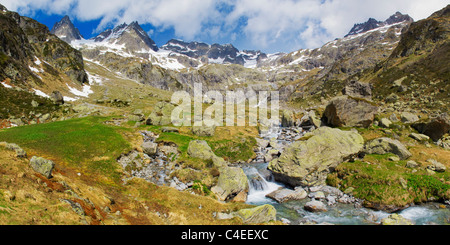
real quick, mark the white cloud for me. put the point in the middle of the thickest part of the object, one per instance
(262, 24)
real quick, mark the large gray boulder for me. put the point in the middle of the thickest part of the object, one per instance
(231, 182)
(387, 145)
(42, 166)
(346, 111)
(307, 162)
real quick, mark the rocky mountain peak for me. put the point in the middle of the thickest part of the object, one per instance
(66, 31)
(132, 36)
(372, 23)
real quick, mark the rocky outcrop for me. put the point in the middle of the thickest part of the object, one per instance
(346, 111)
(66, 31)
(435, 128)
(307, 162)
(42, 166)
(387, 145)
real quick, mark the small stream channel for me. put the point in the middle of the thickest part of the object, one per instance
(261, 183)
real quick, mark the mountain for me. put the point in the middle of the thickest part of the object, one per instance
(66, 31)
(372, 23)
(215, 53)
(131, 36)
(31, 55)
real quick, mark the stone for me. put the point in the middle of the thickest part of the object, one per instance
(358, 90)
(394, 158)
(232, 181)
(149, 148)
(444, 142)
(436, 166)
(57, 97)
(200, 149)
(419, 137)
(411, 164)
(257, 215)
(170, 130)
(34, 104)
(436, 128)
(161, 114)
(393, 118)
(21, 153)
(42, 166)
(204, 131)
(315, 206)
(307, 162)
(346, 111)
(385, 123)
(396, 219)
(284, 194)
(409, 118)
(310, 119)
(287, 118)
(387, 145)
(392, 98)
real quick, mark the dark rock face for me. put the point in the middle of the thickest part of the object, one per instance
(436, 128)
(66, 31)
(23, 40)
(373, 23)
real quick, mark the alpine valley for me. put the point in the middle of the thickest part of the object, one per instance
(86, 135)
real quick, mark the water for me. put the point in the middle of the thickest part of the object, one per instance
(261, 183)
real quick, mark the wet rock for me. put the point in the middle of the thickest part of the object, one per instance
(284, 194)
(315, 206)
(396, 219)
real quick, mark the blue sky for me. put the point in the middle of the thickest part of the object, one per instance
(267, 25)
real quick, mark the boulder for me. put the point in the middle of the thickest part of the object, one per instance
(161, 114)
(200, 149)
(411, 164)
(232, 181)
(315, 206)
(287, 118)
(358, 90)
(385, 123)
(149, 148)
(396, 219)
(310, 119)
(444, 142)
(346, 111)
(204, 131)
(307, 162)
(419, 137)
(284, 194)
(387, 145)
(408, 117)
(436, 128)
(42, 166)
(257, 215)
(57, 97)
(436, 166)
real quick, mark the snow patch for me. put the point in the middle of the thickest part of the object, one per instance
(6, 85)
(40, 93)
(85, 93)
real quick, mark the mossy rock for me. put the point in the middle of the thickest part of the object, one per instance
(258, 215)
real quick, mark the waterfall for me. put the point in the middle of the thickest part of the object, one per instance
(259, 187)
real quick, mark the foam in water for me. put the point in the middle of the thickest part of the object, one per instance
(259, 187)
